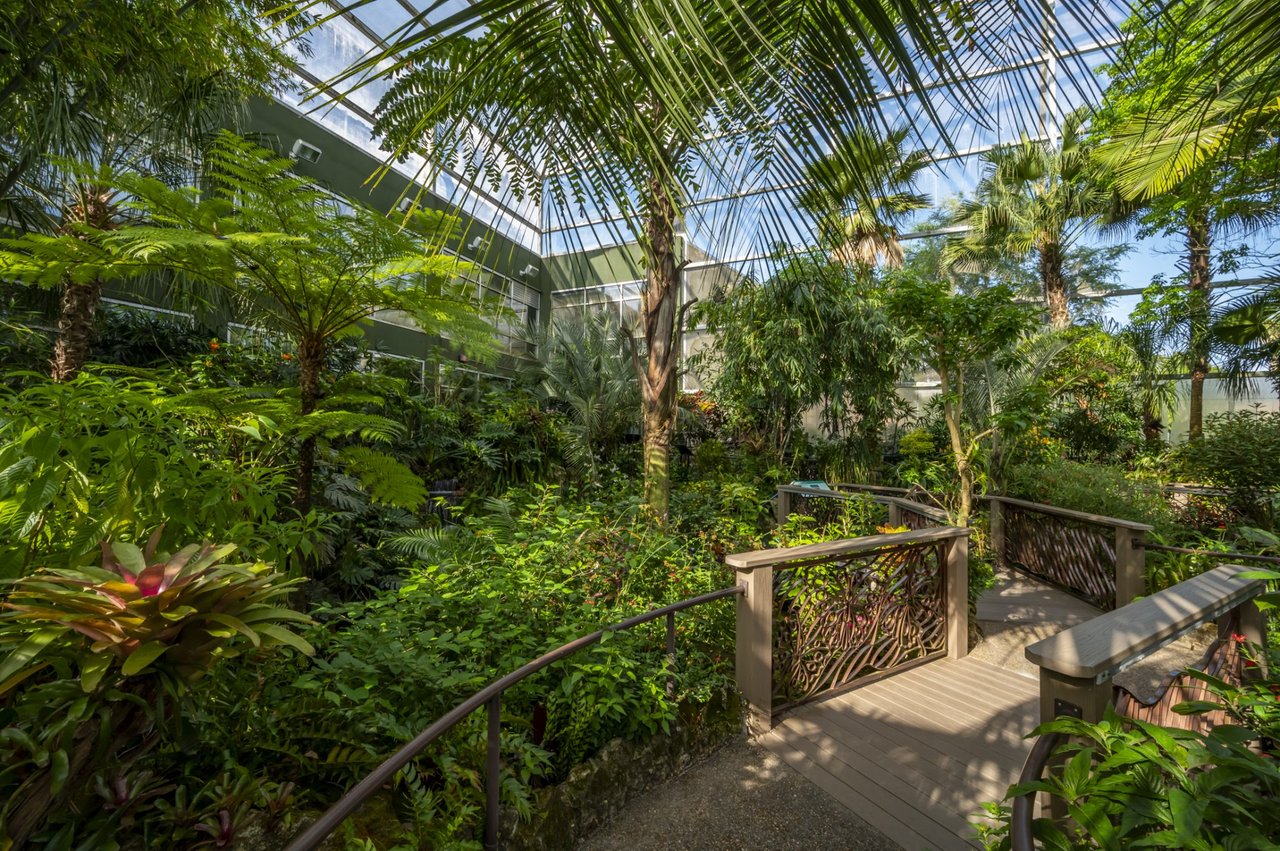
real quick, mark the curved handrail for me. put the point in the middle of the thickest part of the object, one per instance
(328, 822)
(1022, 821)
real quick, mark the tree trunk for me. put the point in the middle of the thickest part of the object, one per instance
(1198, 280)
(311, 354)
(658, 378)
(77, 310)
(1055, 286)
(78, 306)
(951, 411)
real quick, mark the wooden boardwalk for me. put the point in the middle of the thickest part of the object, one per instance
(917, 753)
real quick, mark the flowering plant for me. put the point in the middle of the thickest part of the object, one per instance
(140, 609)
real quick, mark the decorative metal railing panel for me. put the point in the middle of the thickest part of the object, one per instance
(835, 507)
(1223, 660)
(839, 620)
(1077, 556)
(924, 518)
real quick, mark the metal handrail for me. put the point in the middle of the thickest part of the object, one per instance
(1022, 821)
(490, 696)
(1232, 556)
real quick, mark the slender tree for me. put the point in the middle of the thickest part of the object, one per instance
(953, 333)
(1215, 198)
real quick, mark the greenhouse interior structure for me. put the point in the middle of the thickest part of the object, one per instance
(616, 424)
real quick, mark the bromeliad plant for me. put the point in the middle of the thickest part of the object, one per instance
(100, 659)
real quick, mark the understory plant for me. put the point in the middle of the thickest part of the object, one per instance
(97, 671)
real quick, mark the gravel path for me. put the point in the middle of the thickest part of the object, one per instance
(742, 797)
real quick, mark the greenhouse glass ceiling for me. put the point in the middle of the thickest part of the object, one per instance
(1042, 67)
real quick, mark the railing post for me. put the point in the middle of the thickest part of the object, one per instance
(753, 659)
(783, 507)
(895, 513)
(997, 532)
(956, 591)
(1131, 565)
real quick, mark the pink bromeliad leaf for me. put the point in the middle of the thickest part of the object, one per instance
(152, 580)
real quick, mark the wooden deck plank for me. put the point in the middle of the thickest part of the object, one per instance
(954, 709)
(908, 825)
(893, 735)
(889, 824)
(917, 753)
(906, 774)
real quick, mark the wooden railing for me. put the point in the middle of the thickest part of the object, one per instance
(1077, 666)
(821, 618)
(900, 511)
(1099, 559)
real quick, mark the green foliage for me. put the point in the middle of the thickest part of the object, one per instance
(535, 570)
(862, 193)
(813, 335)
(1094, 489)
(1130, 784)
(585, 368)
(114, 458)
(1239, 451)
(953, 333)
(1036, 199)
(98, 667)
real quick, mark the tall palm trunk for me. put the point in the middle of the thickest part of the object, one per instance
(1198, 280)
(311, 352)
(77, 310)
(658, 377)
(1055, 285)
(78, 306)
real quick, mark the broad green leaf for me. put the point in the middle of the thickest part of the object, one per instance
(139, 659)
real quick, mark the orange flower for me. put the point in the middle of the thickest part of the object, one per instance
(214, 345)
(286, 356)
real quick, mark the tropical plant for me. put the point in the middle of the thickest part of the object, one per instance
(304, 263)
(1036, 199)
(99, 660)
(1157, 394)
(1240, 451)
(1250, 327)
(1231, 193)
(584, 366)
(635, 105)
(135, 101)
(1209, 81)
(862, 193)
(99, 458)
(951, 333)
(814, 335)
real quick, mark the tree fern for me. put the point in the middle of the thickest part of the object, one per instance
(387, 480)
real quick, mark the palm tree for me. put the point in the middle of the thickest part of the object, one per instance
(1250, 329)
(1142, 346)
(1198, 177)
(584, 367)
(1036, 199)
(634, 103)
(145, 102)
(861, 193)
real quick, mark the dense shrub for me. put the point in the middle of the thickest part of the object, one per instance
(1095, 489)
(1129, 784)
(535, 571)
(1240, 452)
